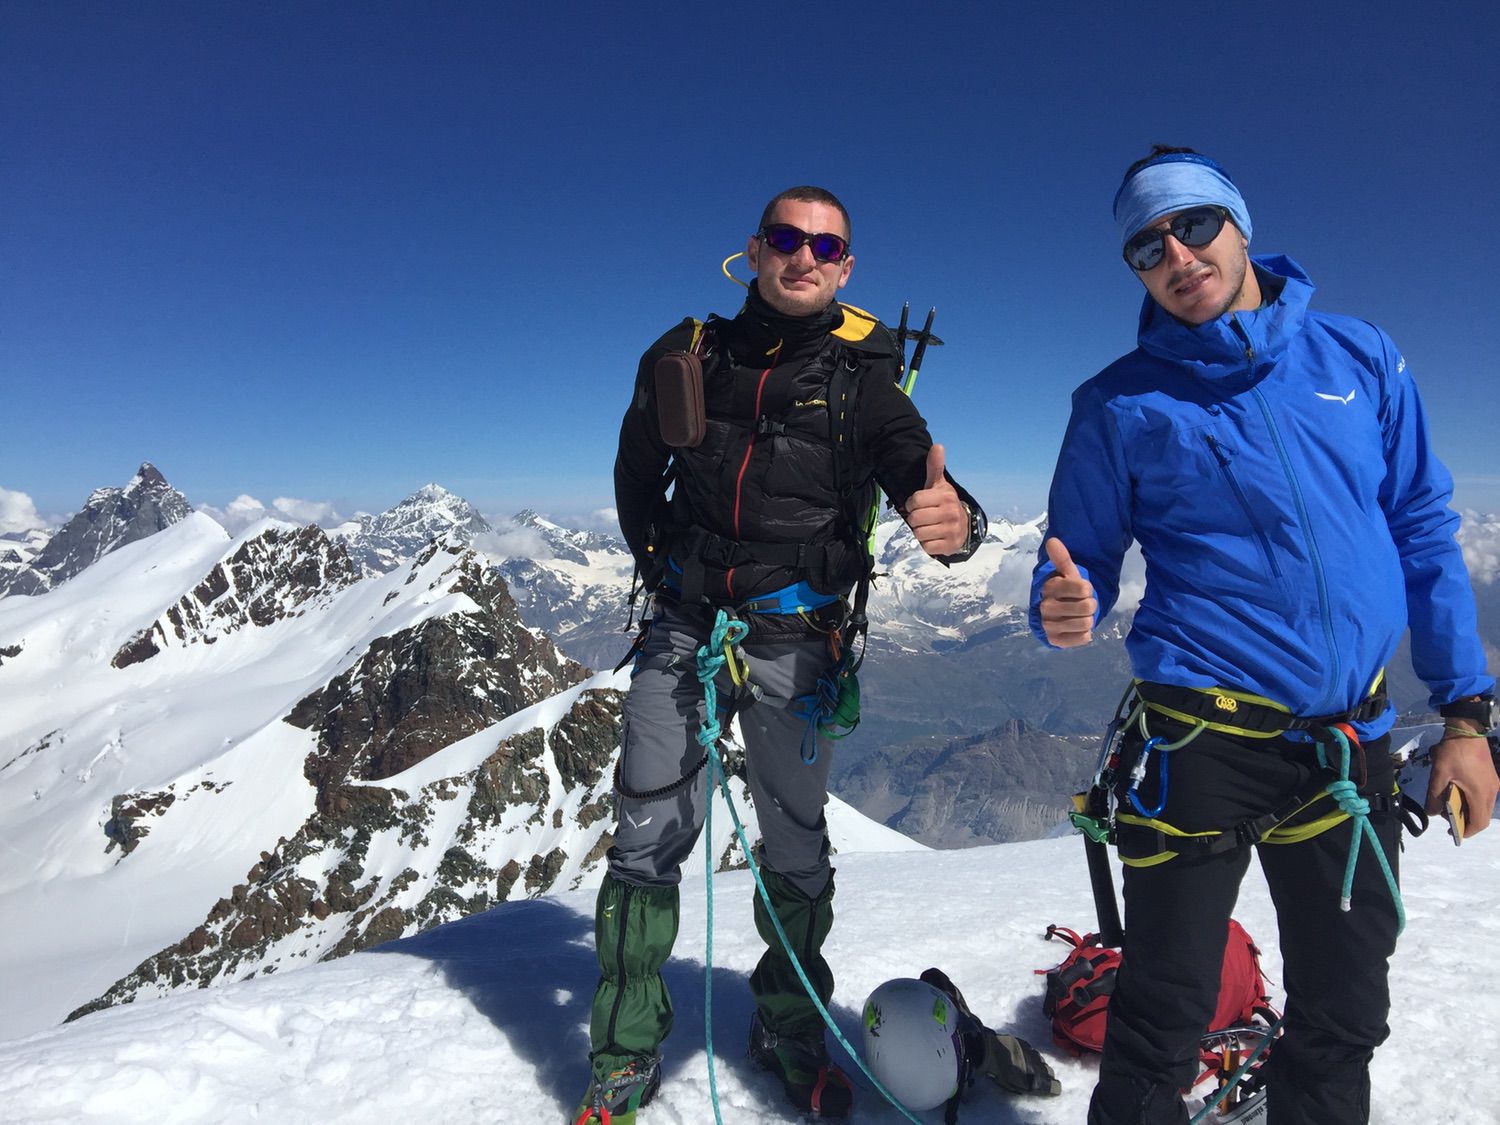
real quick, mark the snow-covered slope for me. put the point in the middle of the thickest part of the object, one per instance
(227, 758)
(187, 706)
(486, 1019)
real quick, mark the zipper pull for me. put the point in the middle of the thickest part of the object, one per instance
(1244, 336)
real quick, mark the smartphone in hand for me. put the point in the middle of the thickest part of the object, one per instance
(1455, 813)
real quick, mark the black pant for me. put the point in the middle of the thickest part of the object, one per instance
(1176, 920)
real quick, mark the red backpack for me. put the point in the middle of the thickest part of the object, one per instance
(1079, 988)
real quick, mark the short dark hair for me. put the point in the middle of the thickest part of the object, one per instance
(1157, 151)
(807, 193)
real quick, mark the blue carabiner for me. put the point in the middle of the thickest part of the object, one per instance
(1140, 772)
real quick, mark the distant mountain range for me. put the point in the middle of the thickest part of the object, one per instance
(230, 754)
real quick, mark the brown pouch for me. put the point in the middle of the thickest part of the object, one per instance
(679, 399)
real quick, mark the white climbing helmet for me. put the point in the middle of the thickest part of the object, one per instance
(912, 1042)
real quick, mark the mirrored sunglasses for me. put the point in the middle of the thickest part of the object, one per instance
(1196, 227)
(786, 239)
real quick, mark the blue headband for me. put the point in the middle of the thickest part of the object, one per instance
(1175, 182)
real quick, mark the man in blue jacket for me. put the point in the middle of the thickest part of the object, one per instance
(1273, 464)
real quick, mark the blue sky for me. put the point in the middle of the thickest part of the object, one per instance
(333, 251)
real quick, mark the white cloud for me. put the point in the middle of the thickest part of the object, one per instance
(245, 510)
(606, 520)
(17, 512)
(1480, 538)
(1011, 582)
(307, 511)
(512, 541)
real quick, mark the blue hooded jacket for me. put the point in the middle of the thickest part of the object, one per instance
(1275, 468)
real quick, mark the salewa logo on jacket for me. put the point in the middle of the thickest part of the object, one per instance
(1345, 399)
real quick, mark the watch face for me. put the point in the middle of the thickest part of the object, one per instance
(1485, 711)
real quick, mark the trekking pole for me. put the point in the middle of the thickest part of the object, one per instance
(908, 384)
(924, 337)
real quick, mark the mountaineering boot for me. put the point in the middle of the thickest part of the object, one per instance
(614, 1098)
(786, 1035)
(634, 928)
(813, 1084)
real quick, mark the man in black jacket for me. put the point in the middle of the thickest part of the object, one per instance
(768, 519)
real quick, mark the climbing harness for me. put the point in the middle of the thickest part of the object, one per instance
(726, 633)
(1143, 840)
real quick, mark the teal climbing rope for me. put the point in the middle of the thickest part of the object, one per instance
(1233, 1080)
(711, 658)
(1346, 793)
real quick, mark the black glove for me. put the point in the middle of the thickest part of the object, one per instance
(1015, 1064)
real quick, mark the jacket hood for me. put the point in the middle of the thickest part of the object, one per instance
(1218, 350)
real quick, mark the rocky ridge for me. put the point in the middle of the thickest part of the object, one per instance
(109, 519)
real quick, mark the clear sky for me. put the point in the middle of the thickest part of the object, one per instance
(333, 251)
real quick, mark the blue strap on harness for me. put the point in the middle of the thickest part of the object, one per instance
(799, 598)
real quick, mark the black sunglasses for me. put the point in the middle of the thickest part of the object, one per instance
(1196, 227)
(786, 239)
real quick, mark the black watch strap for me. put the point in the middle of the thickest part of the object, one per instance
(1479, 709)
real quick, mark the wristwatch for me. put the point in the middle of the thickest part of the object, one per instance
(1481, 709)
(978, 527)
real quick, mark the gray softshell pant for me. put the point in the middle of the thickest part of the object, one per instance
(636, 918)
(663, 713)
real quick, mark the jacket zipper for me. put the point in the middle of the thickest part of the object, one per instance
(1239, 494)
(739, 480)
(1335, 671)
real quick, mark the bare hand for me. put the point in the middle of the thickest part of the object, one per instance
(1465, 762)
(1068, 603)
(934, 512)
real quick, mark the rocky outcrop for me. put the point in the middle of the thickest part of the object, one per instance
(416, 691)
(389, 851)
(109, 519)
(503, 829)
(1010, 783)
(267, 579)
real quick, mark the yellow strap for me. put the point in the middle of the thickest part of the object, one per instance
(1278, 834)
(1228, 700)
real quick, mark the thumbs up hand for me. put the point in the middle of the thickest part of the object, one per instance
(1068, 604)
(934, 512)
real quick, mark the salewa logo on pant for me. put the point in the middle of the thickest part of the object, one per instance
(1345, 399)
(637, 824)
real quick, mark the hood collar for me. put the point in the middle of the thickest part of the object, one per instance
(1218, 349)
(760, 328)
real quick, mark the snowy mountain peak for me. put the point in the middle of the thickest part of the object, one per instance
(109, 519)
(432, 512)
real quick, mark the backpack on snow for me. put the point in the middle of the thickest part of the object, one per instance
(1079, 988)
